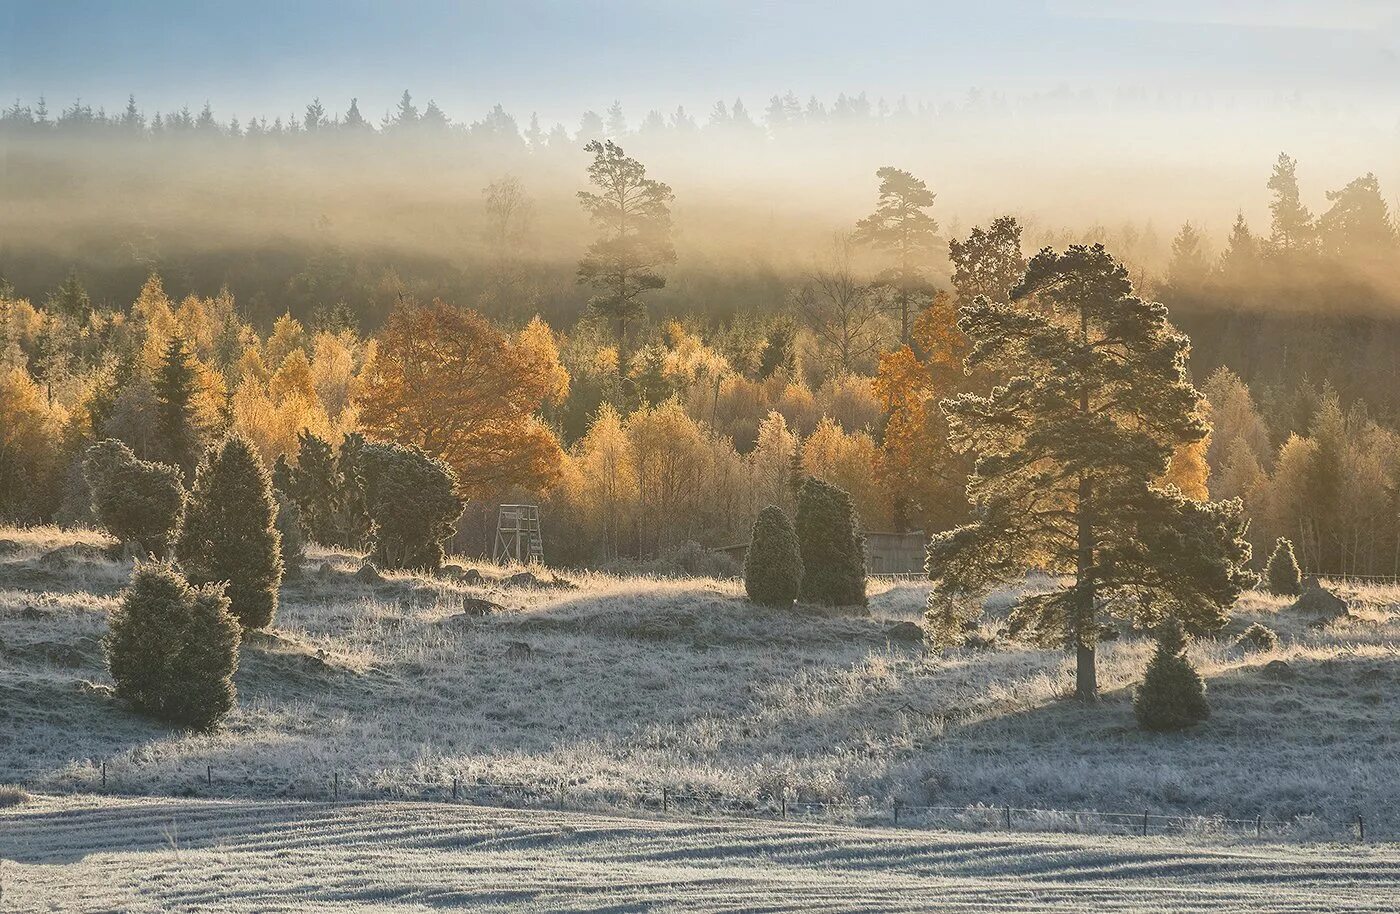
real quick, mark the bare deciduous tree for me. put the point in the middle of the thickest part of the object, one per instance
(841, 309)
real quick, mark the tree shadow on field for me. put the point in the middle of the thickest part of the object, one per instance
(1286, 738)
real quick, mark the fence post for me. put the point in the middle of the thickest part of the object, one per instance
(1259, 827)
(665, 799)
(782, 793)
(1361, 828)
(455, 781)
(335, 787)
(1144, 823)
(104, 775)
(896, 811)
(560, 802)
(1008, 817)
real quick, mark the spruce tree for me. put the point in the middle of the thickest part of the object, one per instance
(174, 387)
(1068, 451)
(832, 546)
(140, 502)
(773, 564)
(1172, 695)
(230, 532)
(172, 649)
(413, 505)
(1284, 577)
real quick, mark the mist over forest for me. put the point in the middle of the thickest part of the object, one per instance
(1261, 220)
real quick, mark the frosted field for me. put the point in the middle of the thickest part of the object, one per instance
(617, 687)
(155, 855)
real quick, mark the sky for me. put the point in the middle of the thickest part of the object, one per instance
(560, 58)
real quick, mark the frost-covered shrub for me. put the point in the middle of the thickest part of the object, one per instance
(1284, 577)
(140, 502)
(413, 504)
(773, 564)
(173, 649)
(229, 533)
(1172, 695)
(831, 544)
(1258, 637)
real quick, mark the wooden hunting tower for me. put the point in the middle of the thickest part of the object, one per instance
(518, 536)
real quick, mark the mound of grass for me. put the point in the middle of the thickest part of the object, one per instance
(12, 795)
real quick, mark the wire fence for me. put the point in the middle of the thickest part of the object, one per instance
(342, 785)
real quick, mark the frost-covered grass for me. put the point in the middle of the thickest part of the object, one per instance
(230, 856)
(617, 686)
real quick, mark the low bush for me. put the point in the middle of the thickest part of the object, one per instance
(139, 502)
(173, 649)
(12, 795)
(1172, 695)
(1258, 637)
(413, 506)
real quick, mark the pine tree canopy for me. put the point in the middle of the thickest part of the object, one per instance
(1095, 401)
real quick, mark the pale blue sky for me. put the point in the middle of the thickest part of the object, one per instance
(270, 58)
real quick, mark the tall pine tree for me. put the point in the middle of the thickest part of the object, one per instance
(902, 227)
(634, 214)
(1067, 452)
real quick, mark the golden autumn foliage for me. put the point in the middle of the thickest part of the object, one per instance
(1189, 471)
(852, 462)
(30, 445)
(923, 476)
(445, 379)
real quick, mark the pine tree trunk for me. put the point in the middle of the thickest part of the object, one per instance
(1086, 681)
(1086, 678)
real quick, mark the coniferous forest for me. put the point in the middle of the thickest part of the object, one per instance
(340, 236)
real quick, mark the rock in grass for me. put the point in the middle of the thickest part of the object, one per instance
(519, 650)
(1317, 600)
(475, 607)
(368, 574)
(522, 579)
(910, 632)
(463, 575)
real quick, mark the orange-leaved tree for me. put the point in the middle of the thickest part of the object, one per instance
(923, 476)
(447, 380)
